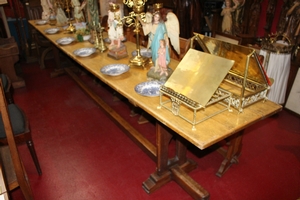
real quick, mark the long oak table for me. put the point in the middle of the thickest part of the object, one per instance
(226, 125)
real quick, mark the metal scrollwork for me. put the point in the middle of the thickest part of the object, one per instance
(175, 105)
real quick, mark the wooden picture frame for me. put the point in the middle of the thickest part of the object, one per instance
(228, 38)
(293, 100)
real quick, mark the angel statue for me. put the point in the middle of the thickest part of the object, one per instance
(159, 32)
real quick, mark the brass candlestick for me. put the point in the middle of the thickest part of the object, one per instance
(71, 28)
(101, 46)
(132, 20)
(98, 42)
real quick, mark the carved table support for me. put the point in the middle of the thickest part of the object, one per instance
(173, 169)
(232, 153)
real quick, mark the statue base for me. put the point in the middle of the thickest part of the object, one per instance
(118, 53)
(152, 75)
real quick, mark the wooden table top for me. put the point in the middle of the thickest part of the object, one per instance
(207, 132)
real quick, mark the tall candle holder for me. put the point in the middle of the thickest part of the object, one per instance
(71, 28)
(132, 21)
(101, 46)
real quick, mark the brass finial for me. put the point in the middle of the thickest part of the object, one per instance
(114, 7)
(157, 6)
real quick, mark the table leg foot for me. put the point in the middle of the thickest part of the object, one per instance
(155, 182)
(180, 176)
(188, 184)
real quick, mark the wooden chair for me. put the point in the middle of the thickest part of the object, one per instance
(7, 87)
(11, 154)
(20, 127)
(33, 11)
(9, 56)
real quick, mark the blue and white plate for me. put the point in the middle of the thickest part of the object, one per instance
(144, 52)
(84, 52)
(65, 40)
(52, 30)
(148, 88)
(114, 69)
(41, 22)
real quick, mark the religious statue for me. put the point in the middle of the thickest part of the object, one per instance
(270, 15)
(292, 29)
(78, 10)
(92, 18)
(116, 48)
(46, 10)
(255, 10)
(115, 26)
(227, 17)
(162, 62)
(159, 33)
(238, 16)
(61, 19)
(282, 18)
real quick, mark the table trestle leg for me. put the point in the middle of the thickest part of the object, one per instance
(173, 169)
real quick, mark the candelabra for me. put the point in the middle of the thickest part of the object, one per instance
(132, 20)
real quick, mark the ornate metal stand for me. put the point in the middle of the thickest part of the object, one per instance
(176, 101)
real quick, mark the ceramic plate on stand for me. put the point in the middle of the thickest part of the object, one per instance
(84, 52)
(65, 40)
(148, 88)
(114, 69)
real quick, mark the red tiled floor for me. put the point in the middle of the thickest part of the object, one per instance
(84, 155)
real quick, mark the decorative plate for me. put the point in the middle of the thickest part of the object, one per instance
(84, 52)
(114, 69)
(148, 88)
(52, 30)
(65, 40)
(41, 22)
(144, 52)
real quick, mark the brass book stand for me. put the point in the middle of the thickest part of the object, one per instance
(194, 86)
